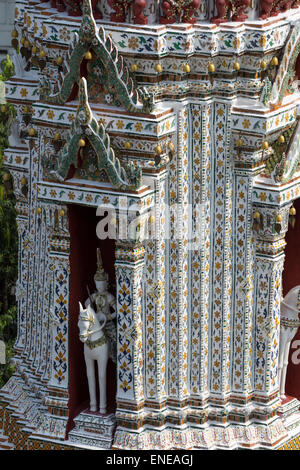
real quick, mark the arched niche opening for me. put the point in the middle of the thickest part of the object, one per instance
(83, 265)
(290, 279)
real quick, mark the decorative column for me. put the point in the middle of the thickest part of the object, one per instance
(270, 245)
(22, 277)
(178, 371)
(221, 258)
(200, 252)
(39, 288)
(156, 299)
(17, 161)
(130, 362)
(53, 423)
(45, 306)
(34, 253)
(30, 243)
(243, 319)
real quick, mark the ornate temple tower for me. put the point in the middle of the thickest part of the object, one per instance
(177, 121)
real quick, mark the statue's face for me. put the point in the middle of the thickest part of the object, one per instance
(85, 321)
(83, 330)
(101, 286)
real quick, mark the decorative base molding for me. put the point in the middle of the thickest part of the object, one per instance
(289, 412)
(4, 443)
(24, 414)
(93, 430)
(279, 434)
(210, 437)
(53, 427)
(35, 443)
(291, 443)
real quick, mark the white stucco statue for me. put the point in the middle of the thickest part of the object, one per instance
(95, 349)
(98, 333)
(289, 324)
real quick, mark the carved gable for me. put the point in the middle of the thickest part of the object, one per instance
(107, 75)
(86, 132)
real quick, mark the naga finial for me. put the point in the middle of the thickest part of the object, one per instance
(83, 113)
(88, 25)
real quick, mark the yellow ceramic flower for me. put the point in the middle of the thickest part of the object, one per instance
(50, 114)
(23, 92)
(138, 126)
(246, 123)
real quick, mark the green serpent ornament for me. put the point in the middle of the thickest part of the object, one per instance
(135, 100)
(86, 127)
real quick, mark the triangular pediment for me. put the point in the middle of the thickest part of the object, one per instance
(94, 55)
(284, 81)
(89, 152)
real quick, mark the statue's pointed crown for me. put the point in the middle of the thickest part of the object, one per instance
(100, 273)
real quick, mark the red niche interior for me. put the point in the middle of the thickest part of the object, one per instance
(297, 67)
(291, 278)
(83, 264)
